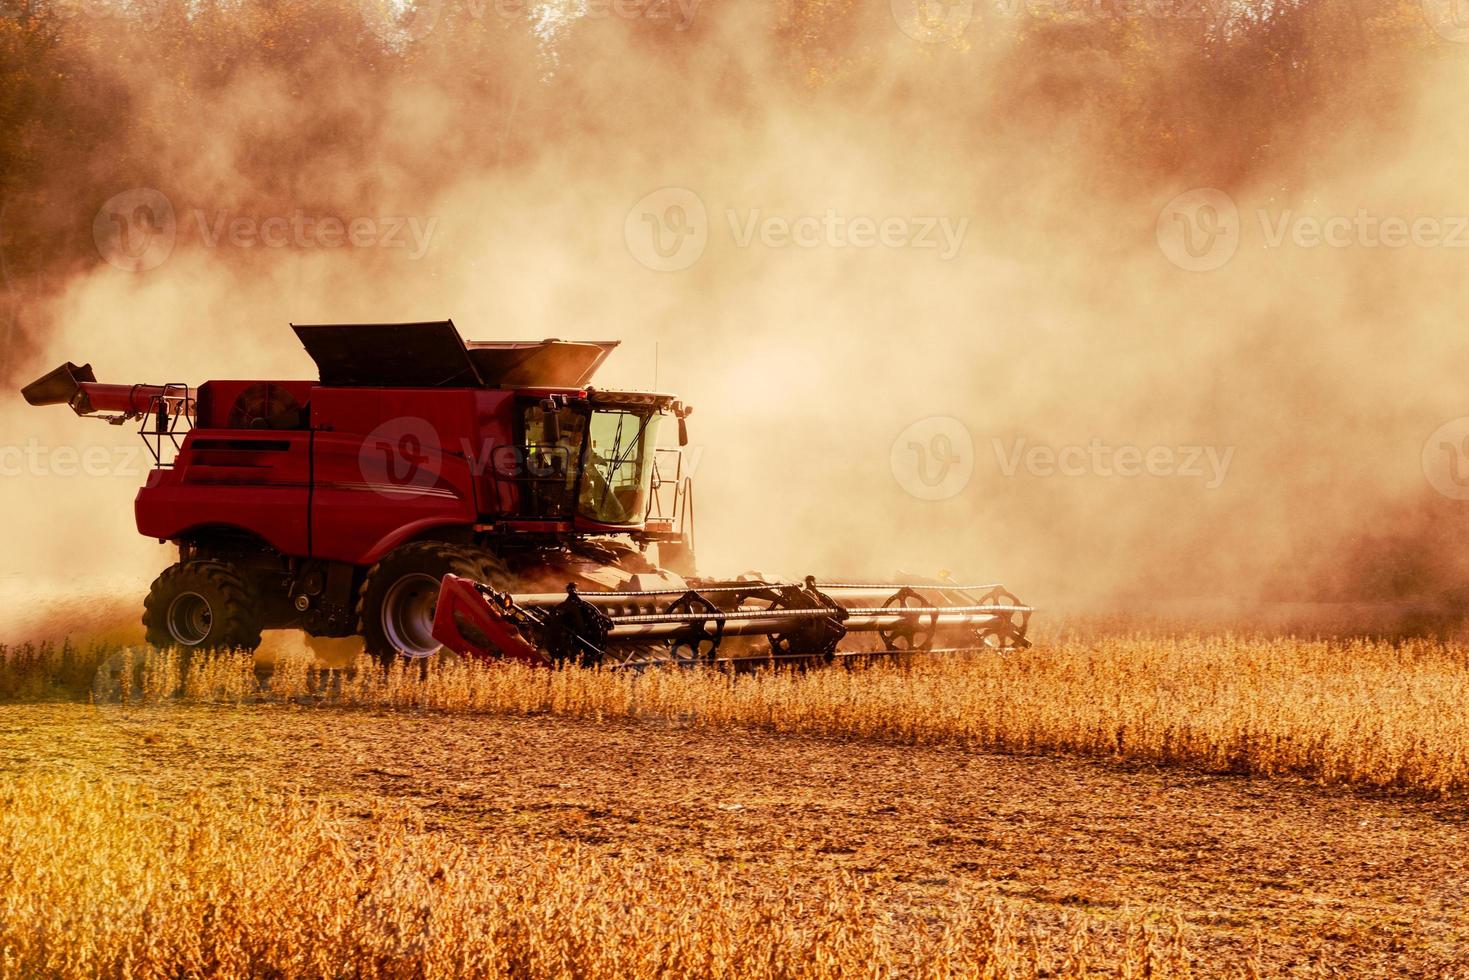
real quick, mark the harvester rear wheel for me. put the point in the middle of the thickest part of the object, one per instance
(201, 605)
(395, 607)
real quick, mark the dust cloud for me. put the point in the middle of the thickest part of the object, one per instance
(926, 266)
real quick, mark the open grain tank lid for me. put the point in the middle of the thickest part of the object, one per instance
(539, 363)
(433, 355)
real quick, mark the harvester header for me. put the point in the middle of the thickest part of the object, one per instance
(801, 624)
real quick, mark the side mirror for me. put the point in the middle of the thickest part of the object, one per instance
(683, 412)
(552, 416)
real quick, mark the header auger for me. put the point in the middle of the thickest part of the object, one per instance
(426, 492)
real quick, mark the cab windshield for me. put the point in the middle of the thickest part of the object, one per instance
(618, 474)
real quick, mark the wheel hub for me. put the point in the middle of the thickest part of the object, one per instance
(190, 619)
(408, 615)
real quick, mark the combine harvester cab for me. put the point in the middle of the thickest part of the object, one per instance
(343, 505)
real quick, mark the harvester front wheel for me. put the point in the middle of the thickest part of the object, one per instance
(201, 605)
(395, 608)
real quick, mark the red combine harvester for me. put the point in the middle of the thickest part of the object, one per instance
(541, 509)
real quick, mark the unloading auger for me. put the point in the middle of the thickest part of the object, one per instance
(739, 623)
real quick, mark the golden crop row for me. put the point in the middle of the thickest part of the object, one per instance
(1367, 713)
(105, 880)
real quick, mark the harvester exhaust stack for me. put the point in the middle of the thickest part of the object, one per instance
(804, 623)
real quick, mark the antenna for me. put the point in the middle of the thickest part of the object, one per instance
(655, 365)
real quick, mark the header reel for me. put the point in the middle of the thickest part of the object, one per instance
(724, 623)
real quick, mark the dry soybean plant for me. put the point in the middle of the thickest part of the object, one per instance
(104, 880)
(1366, 713)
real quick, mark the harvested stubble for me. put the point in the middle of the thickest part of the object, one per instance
(1365, 713)
(103, 880)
